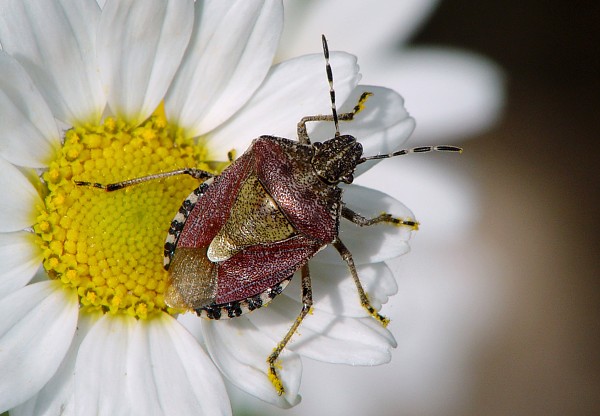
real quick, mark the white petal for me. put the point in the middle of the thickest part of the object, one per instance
(140, 45)
(334, 290)
(228, 57)
(452, 94)
(54, 41)
(327, 337)
(101, 368)
(240, 351)
(191, 322)
(58, 395)
(381, 127)
(19, 199)
(375, 243)
(292, 90)
(181, 380)
(20, 258)
(28, 133)
(36, 329)
(438, 188)
(354, 26)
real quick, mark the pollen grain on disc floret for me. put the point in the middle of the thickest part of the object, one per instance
(108, 246)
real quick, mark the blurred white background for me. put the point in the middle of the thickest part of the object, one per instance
(497, 306)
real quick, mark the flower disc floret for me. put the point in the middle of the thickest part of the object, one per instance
(108, 246)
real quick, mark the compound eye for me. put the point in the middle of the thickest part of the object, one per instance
(317, 145)
(349, 139)
(348, 178)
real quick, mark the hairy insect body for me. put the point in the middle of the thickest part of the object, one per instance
(239, 237)
(250, 229)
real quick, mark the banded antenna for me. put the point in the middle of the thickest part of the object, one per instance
(419, 149)
(331, 90)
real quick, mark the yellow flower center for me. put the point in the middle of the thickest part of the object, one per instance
(109, 245)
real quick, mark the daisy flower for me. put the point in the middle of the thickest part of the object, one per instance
(453, 93)
(448, 299)
(127, 89)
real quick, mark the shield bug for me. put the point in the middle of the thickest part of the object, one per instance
(239, 237)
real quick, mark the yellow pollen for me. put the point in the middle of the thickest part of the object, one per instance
(108, 246)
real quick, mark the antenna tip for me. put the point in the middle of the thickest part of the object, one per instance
(448, 148)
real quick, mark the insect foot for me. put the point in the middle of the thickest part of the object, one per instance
(384, 217)
(275, 379)
(240, 236)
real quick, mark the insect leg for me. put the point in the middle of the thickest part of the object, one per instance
(364, 300)
(195, 173)
(303, 134)
(307, 302)
(384, 217)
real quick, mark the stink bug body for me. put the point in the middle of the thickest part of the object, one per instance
(240, 236)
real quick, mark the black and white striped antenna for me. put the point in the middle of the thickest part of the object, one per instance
(331, 90)
(419, 149)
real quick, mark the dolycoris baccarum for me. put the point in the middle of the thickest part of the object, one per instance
(239, 237)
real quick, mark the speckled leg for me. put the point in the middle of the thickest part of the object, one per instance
(384, 217)
(364, 300)
(302, 133)
(195, 173)
(307, 302)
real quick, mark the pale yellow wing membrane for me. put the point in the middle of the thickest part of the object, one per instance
(193, 279)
